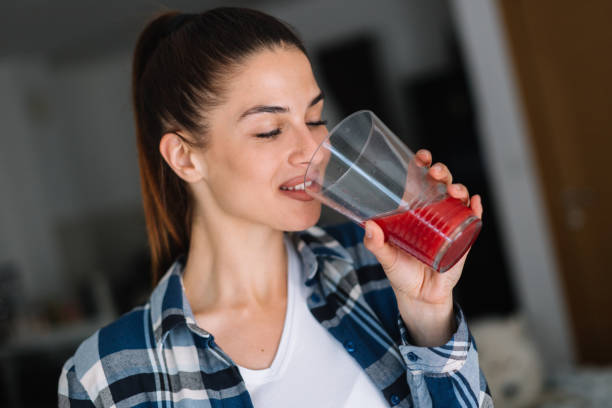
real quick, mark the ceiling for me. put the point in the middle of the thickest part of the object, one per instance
(76, 27)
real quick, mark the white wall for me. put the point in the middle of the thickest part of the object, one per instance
(509, 159)
(68, 150)
(94, 98)
(26, 237)
(400, 28)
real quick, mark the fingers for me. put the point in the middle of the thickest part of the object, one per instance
(476, 205)
(423, 158)
(459, 191)
(438, 171)
(375, 242)
(441, 173)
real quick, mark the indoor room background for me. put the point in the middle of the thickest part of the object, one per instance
(512, 95)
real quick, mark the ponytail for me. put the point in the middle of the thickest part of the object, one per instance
(180, 63)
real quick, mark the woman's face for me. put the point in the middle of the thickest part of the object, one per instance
(261, 139)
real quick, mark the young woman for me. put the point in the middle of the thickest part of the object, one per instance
(257, 307)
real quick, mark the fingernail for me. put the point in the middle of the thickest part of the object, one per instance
(368, 233)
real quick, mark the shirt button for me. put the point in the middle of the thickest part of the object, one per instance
(412, 357)
(395, 400)
(315, 298)
(350, 346)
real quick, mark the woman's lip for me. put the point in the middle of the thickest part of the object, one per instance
(309, 184)
(293, 182)
(299, 195)
(312, 176)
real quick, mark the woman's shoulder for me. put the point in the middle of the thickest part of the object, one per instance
(109, 354)
(129, 332)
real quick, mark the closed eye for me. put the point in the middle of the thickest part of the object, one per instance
(277, 131)
(317, 123)
(272, 133)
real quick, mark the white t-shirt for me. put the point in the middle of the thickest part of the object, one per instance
(311, 368)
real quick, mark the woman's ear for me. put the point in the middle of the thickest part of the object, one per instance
(181, 158)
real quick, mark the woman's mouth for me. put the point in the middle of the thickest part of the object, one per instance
(301, 186)
(296, 189)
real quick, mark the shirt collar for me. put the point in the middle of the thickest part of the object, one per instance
(315, 244)
(168, 302)
(169, 305)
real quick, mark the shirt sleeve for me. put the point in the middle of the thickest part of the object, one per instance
(70, 391)
(447, 375)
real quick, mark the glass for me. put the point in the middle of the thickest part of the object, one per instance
(365, 172)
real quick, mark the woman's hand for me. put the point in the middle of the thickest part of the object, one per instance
(424, 296)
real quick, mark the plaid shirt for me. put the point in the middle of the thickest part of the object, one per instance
(157, 356)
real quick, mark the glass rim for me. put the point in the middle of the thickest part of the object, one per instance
(333, 131)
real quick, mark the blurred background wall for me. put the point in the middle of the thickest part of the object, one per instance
(440, 73)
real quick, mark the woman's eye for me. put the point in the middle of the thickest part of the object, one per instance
(277, 131)
(272, 133)
(317, 123)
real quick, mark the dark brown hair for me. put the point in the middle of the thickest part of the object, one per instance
(180, 64)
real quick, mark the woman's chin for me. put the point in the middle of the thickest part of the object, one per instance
(304, 220)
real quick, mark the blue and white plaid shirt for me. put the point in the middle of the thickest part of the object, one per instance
(157, 356)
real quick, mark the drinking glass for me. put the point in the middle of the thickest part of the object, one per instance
(365, 172)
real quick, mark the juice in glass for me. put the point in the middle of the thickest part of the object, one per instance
(437, 234)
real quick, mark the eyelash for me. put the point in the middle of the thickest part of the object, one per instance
(277, 132)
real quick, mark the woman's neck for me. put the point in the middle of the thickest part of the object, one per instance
(234, 264)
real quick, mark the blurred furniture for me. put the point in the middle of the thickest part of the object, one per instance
(30, 365)
(106, 273)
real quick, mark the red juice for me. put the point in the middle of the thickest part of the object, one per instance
(437, 234)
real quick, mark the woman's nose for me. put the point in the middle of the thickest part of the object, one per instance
(307, 142)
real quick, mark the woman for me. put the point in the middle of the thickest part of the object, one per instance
(256, 307)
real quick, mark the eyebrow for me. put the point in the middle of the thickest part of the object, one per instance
(277, 109)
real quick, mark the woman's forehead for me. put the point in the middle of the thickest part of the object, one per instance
(274, 73)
